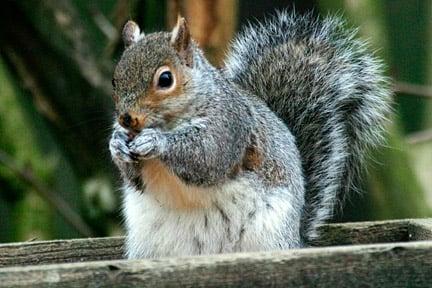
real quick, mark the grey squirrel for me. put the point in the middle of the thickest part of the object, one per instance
(249, 157)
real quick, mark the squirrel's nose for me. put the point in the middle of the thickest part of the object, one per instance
(125, 120)
(132, 121)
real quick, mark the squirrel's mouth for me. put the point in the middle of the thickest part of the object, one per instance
(136, 122)
(133, 122)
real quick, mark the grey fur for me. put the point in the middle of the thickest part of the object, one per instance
(312, 74)
(327, 88)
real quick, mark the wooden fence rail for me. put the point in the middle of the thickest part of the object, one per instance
(402, 259)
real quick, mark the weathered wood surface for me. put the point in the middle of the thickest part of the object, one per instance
(110, 248)
(96, 262)
(375, 232)
(375, 265)
(61, 251)
(420, 229)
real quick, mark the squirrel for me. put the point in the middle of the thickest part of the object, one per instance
(252, 156)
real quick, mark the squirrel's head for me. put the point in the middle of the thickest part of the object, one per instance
(153, 77)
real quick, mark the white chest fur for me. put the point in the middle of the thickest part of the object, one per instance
(237, 216)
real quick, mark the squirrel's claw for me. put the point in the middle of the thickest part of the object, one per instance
(149, 143)
(119, 148)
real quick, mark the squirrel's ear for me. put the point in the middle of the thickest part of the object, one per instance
(131, 33)
(181, 41)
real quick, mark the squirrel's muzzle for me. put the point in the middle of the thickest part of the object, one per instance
(131, 121)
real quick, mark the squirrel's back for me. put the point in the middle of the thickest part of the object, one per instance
(329, 90)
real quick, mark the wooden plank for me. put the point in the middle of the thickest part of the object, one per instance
(377, 265)
(420, 229)
(61, 251)
(375, 232)
(110, 248)
(364, 233)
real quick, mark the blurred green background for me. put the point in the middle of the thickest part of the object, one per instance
(56, 61)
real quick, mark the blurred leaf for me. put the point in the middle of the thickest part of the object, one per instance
(26, 137)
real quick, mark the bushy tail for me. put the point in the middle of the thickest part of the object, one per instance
(328, 89)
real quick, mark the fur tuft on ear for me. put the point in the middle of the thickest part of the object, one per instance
(131, 33)
(182, 42)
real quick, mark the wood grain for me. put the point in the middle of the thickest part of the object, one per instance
(376, 265)
(402, 261)
(366, 232)
(109, 248)
(61, 251)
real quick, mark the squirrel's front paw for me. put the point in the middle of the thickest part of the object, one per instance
(149, 143)
(119, 147)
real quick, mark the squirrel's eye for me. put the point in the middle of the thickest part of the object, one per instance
(165, 79)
